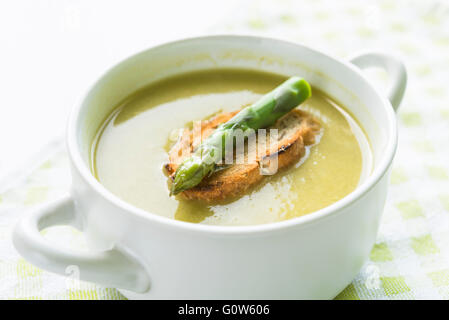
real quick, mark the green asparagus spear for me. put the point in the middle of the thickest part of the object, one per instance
(261, 114)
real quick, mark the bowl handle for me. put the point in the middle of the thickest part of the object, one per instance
(392, 65)
(112, 268)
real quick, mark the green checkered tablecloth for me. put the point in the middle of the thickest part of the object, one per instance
(411, 257)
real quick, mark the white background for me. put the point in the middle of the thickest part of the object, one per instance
(52, 50)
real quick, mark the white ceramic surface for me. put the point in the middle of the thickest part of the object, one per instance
(149, 256)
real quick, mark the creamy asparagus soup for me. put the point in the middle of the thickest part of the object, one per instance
(132, 148)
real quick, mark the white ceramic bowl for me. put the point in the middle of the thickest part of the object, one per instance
(149, 256)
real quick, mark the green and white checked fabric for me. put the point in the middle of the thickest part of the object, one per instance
(411, 257)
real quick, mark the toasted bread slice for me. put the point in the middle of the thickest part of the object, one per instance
(296, 130)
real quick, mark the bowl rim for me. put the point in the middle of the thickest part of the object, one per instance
(313, 217)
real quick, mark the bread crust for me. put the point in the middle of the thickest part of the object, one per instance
(296, 130)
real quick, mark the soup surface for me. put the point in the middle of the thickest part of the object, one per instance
(131, 149)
